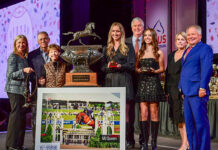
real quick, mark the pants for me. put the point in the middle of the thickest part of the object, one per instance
(17, 121)
(33, 121)
(197, 123)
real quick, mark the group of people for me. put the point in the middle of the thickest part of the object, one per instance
(135, 63)
(43, 68)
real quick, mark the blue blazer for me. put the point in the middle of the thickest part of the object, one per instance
(196, 70)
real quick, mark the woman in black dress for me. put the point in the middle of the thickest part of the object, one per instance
(118, 63)
(149, 65)
(175, 100)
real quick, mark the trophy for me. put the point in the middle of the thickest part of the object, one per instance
(146, 69)
(81, 57)
(113, 63)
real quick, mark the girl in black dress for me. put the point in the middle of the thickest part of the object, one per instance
(118, 63)
(149, 65)
(175, 100)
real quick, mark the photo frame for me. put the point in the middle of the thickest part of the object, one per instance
(80, 118)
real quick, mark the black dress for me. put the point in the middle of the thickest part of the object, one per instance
(149, 86)
(120, 77)
(171, 88)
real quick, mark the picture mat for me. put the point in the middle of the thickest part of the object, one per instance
(92, 94)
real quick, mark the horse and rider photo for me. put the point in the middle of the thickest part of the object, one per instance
(80, 120)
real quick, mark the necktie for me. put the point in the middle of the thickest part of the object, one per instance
(137, 46)
(47, 59)
(188, 50)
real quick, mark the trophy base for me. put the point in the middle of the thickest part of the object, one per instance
(81, 79)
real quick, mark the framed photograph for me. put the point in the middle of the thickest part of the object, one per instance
(80, 118)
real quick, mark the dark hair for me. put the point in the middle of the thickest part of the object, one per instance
(154, 45)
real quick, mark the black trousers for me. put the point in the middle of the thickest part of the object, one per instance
(17, 121)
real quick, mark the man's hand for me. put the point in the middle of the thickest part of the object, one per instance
(202, 92)
(41, 81)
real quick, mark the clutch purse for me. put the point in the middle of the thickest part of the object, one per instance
(113, 64)
(146, 69)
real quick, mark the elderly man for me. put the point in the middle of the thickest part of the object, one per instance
(36, 59)
(137, 25)
(196, 71)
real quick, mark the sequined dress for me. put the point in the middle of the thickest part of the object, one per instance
(149, 86)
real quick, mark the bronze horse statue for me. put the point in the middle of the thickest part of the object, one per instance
(85, 33)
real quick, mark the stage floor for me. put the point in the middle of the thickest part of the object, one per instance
(164, 143)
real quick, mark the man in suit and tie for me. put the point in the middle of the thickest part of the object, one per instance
(137, 26)
(196, 71)
(36, 59)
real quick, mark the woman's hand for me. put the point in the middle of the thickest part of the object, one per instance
(138, 70)
(41, 81)
(119, 65)
(152, 70)
(28, 70)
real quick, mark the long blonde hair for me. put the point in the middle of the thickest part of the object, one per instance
(110, 42)
(27, 46)
(154, 44)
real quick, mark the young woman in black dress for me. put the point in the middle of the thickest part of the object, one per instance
(118, 63)
(175, 100)
(149, 65)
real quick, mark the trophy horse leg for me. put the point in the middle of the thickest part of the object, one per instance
(80, 41)
(95, 35)
(70, 41)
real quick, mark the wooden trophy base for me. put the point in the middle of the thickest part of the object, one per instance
(81, 79)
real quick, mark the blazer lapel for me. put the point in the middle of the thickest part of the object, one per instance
(183, 59)
(40, 58)
(192, 51)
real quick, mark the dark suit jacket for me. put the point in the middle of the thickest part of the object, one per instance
(36, 61)
(129, 41)
(196, 70)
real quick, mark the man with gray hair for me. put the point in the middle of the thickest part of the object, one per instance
(137, 26)
(36, 59)
(196, 71)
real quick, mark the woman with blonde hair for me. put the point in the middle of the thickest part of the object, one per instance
(175, 99)
(17, 70)
(149, 66)
(118, 63)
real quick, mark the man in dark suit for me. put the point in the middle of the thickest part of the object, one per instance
(137, 26)
(36, 59)
(196, 71)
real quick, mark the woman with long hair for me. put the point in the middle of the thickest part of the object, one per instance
(149, 65)
(118, 63)
(174, 66)
(17, 70)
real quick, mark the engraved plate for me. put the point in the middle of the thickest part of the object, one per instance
(80, 78)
